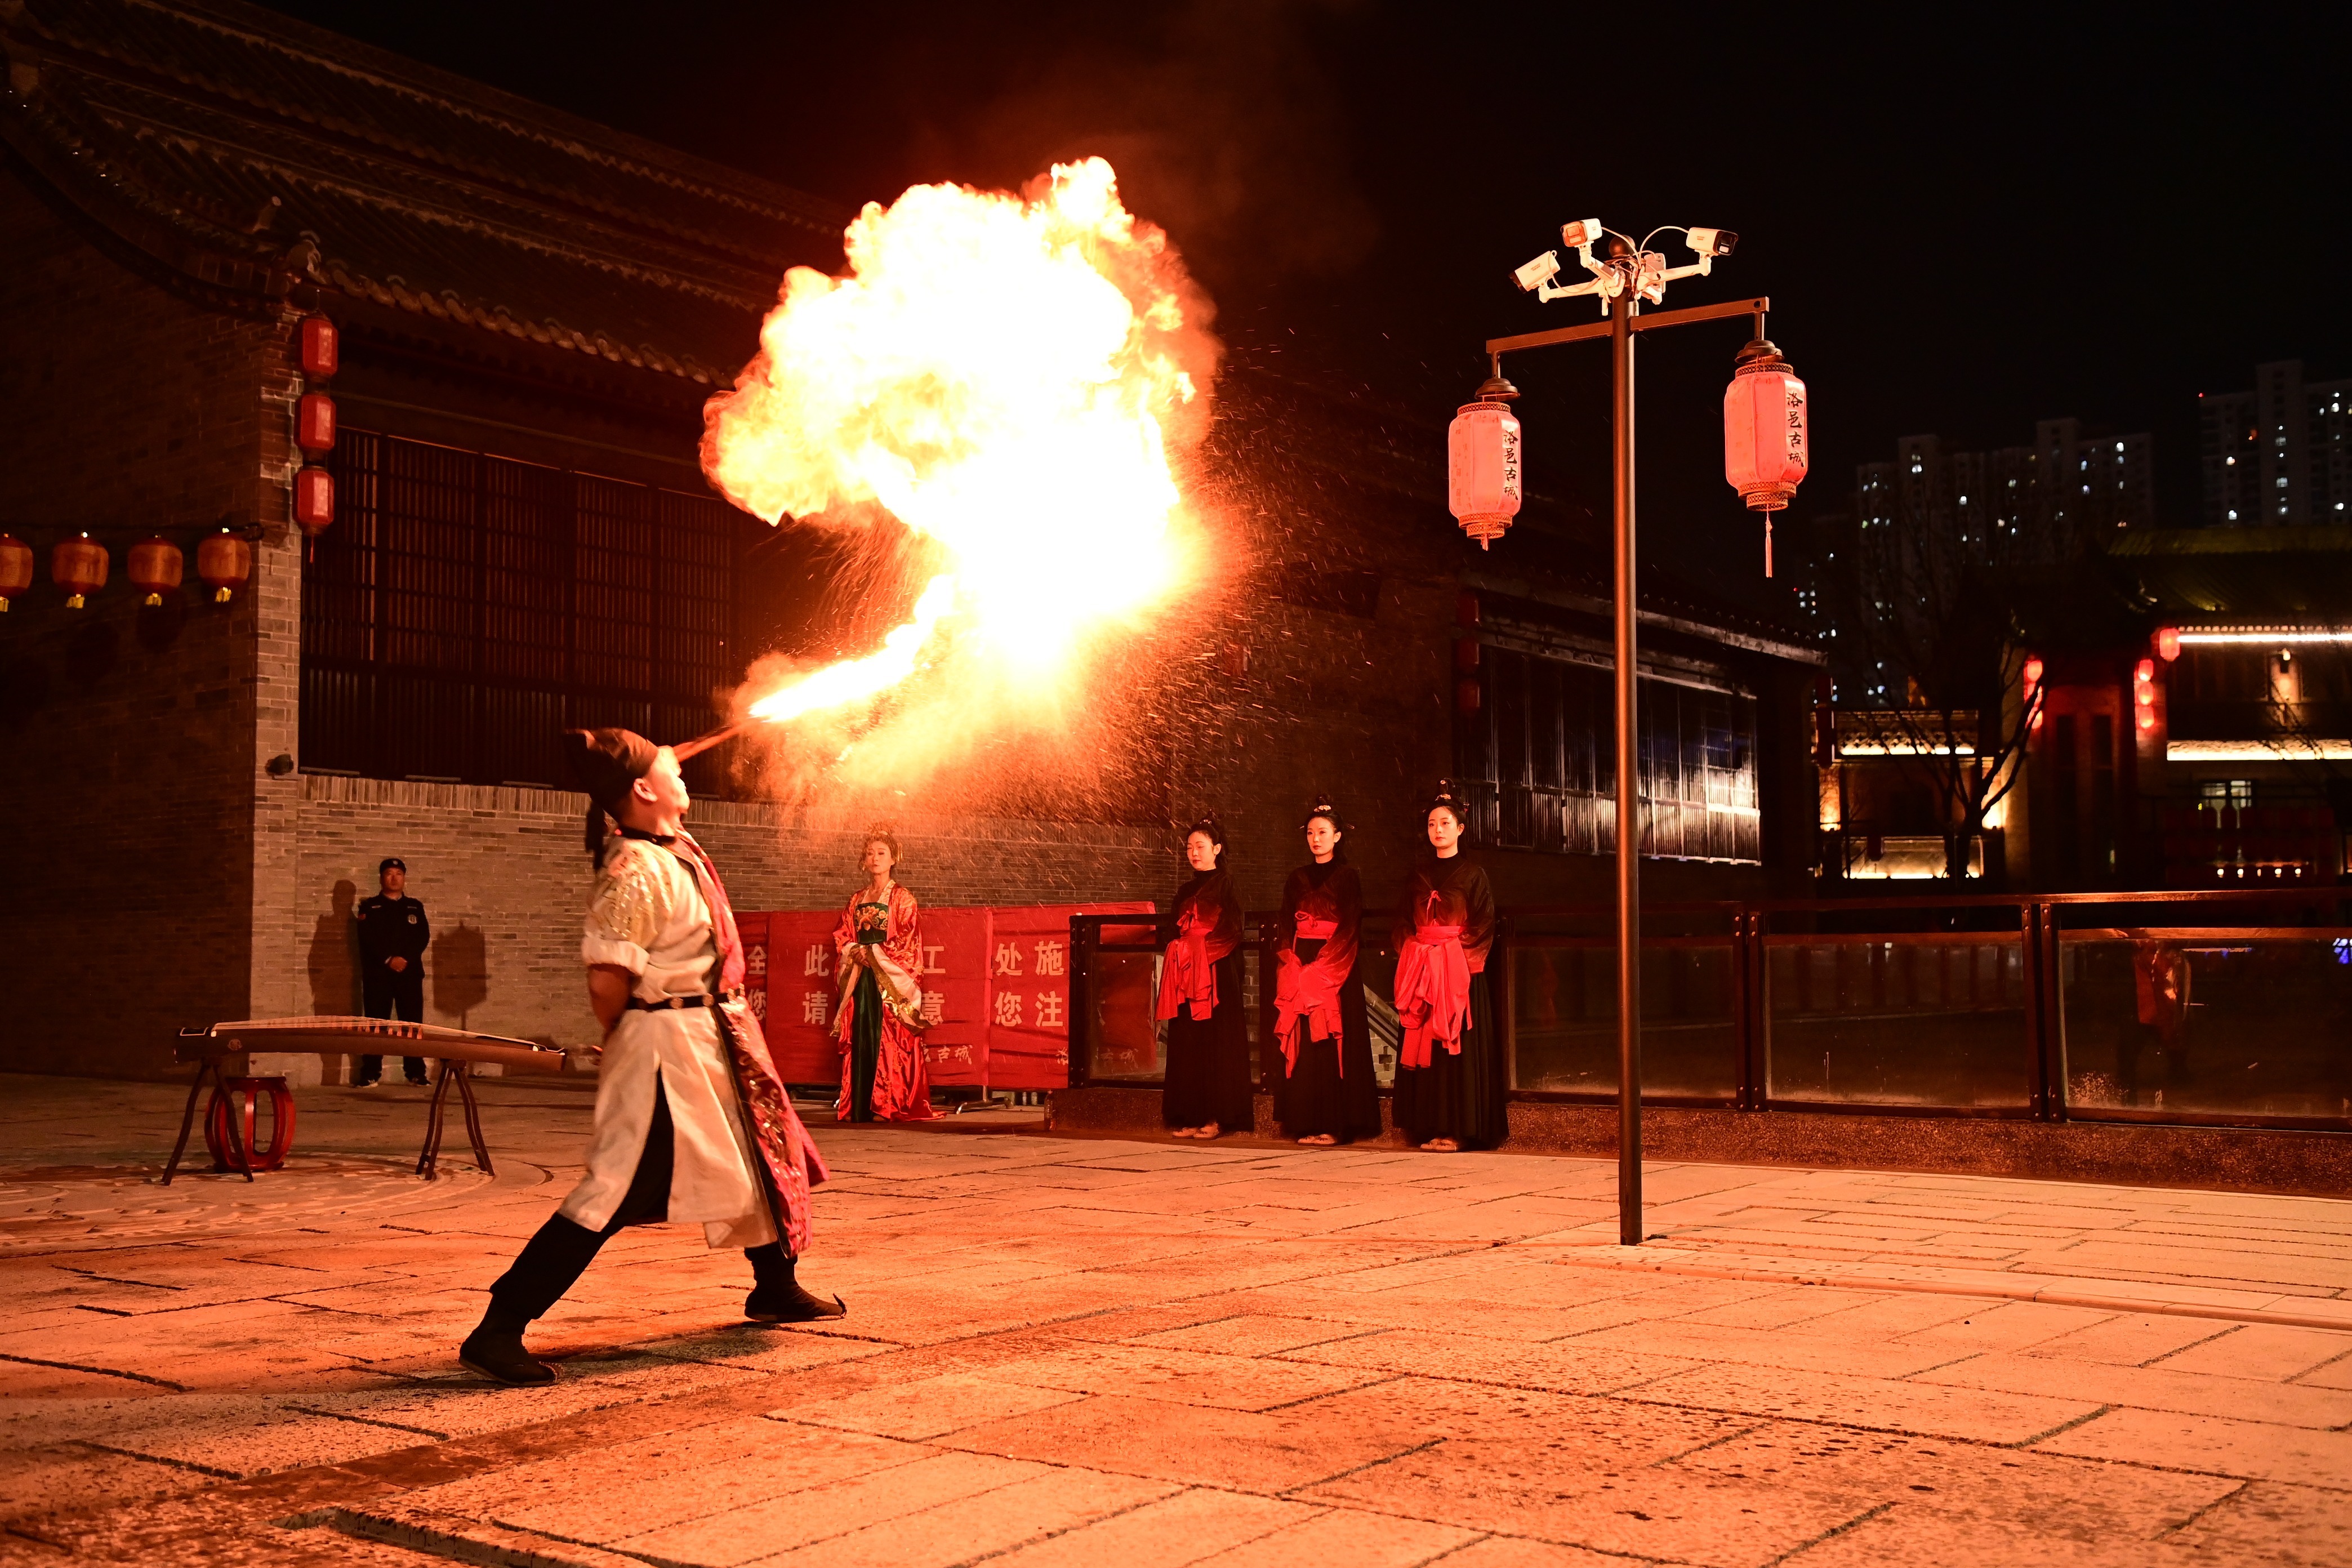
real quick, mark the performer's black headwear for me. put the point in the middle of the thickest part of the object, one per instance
(1320, 806)
(607, 763)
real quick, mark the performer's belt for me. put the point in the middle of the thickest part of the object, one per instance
(680, 1003)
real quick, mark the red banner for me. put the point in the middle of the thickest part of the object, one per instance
(955, 994)
(1029, 1000)
(996, 992)
(800, 989)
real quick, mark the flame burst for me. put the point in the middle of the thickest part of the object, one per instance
(1005, 376)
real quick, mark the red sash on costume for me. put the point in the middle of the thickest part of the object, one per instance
(1432, 992)
(1190, 974)
(787, 1152)
(1305, 996)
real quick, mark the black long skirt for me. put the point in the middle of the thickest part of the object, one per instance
(1317, 1096)
(1208, 1061)
(1459, 1097)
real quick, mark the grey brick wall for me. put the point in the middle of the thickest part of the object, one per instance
(504, 877)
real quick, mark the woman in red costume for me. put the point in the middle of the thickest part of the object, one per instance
(1328, 1092)
(880, 940)
(1450, 1078)
(1206, 1090)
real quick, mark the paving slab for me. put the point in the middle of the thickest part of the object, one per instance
(1136, 1353)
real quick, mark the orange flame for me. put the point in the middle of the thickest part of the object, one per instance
(1005, 376)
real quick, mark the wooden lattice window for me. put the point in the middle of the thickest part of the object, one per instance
(464, 608)
(1539, 756)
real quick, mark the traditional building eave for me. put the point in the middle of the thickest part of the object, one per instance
(152, 152)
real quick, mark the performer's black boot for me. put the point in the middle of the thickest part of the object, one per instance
(558, 1253)
(778, 1297)
(554, 1259)
(495, 1349)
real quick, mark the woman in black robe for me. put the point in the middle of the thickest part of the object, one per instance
(1451, 1078)
(1207, 1089)
(1328, 1093)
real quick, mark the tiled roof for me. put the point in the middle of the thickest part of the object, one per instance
(251, 153)
(2240, 576)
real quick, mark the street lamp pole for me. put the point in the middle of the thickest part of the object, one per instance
(1629, 805)
(1764, 456)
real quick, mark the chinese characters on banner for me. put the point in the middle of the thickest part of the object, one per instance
(996, 992)
(1029, 978)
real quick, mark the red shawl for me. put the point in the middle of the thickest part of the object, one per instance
(1207, 928)
(787, 1153)
(1306, 990)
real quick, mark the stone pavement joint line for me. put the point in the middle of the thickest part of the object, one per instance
(1074, 1353)
(1882, 1280)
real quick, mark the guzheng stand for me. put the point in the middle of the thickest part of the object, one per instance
(462, 1073)
(455, 1050)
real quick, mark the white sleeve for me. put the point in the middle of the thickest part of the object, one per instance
(624, 911)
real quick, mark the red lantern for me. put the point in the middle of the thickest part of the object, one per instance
(1465, 656)
(2033, 684)
(314, 500)
(79, 566)
(15, 568)
(1764, 444)
(314, 424)
(320, 348)
(2168, 643)
(1482, 447)
(224, 562)
(155, 566)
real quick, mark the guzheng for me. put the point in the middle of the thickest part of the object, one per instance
(372, 1036)
(228, 1124)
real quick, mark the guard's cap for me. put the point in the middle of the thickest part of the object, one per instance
(392, 863)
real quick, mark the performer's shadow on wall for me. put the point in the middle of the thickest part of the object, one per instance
(460, 961)
(335, 955)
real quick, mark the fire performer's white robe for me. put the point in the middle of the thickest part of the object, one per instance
(649, 917)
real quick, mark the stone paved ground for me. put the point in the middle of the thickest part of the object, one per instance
(1064, 1352)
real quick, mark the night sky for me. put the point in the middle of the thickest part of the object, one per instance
(1965, 224)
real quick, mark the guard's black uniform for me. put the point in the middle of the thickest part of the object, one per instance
(392, 928)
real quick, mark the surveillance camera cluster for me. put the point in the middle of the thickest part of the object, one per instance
(1642, 272)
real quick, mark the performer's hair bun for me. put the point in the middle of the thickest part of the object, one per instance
(881, 833)
(1450, 799)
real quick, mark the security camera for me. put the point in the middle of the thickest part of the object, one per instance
(1712, 241)
(1539, 272)
(1649, 276)
(1580, 233)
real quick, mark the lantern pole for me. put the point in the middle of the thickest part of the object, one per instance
(1628, 276)
(1629, 804)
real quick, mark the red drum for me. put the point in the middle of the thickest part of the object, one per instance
(225, 1103)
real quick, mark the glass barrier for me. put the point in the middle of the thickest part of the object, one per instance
(1121, 1036)
(1376, 972)
(2251, 1022)
(1564, 1016)
(1919, 1019)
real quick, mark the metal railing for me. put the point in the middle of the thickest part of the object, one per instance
(2217, 1008)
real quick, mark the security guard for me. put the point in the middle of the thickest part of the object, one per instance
(392, 934)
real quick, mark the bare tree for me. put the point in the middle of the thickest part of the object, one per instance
(1938, 617)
